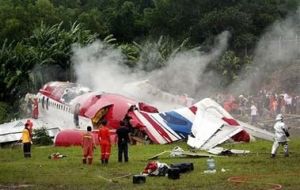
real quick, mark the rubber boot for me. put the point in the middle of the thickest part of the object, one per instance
(90, 161)
(272, 155)
(106, 161)
(84, 161)
(102, 161)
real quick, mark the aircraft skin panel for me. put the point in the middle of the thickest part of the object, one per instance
(177, 122)
(225, 133)
(12, 131)
(157, 127)
(209, 128)
(257, 132)
(207, 104)
(186, 113)
(204, 126)
(10, 137)
(151, 131)
(168, 133)
(172, 126)
(174, 136)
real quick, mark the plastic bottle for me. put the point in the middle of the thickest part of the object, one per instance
(211, 164)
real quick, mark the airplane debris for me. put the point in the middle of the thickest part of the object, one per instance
(226, 152)
(179, 152)
(69, 106)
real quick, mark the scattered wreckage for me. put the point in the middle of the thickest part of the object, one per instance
(65, 109)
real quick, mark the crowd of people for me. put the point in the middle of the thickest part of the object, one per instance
(264, 104)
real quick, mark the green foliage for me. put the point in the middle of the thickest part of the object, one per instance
(3, 112)
(41, 137)
(132, 52)
(94, 19)
(161, 51)
(229, 65)
(42, 57)
(124, 21)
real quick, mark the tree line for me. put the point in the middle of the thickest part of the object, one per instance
(36, 36)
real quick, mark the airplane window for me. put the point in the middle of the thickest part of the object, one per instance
(43, 102)
(47, 103)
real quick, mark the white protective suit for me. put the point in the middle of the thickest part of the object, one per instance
(280, 138)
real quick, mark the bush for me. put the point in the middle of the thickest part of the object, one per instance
(3, 112)
(41, 137)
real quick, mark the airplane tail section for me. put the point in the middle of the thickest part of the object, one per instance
(207, 121)
(165, 127)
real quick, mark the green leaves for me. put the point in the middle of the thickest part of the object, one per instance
(229, 66)
(42, 57)
(3, 112)
(41, 137)
(154, 54)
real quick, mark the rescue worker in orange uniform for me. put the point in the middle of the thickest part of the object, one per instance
(104, 141)
(35, 111)
(88, 146)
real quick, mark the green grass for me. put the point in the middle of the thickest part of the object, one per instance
(69, 173)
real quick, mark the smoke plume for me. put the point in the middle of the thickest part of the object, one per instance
(276, 52)
(101, 67)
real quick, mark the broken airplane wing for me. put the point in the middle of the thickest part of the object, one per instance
(12, 131)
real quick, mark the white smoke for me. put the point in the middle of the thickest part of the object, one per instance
(185, 69)
(101, 67)
(278, 49)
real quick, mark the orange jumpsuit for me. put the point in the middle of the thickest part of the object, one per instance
(87, 147)
(35, 111)
(104, 141)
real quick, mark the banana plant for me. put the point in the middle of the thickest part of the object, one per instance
(154, 55)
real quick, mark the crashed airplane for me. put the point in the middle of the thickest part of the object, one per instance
(66, 109)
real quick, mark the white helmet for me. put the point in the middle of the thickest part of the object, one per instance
(279, 117)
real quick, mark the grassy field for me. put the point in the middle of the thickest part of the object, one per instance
(257, 169)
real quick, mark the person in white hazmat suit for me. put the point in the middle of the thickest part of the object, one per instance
(281, 136)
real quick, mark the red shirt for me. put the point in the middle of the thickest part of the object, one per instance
(103, 135)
